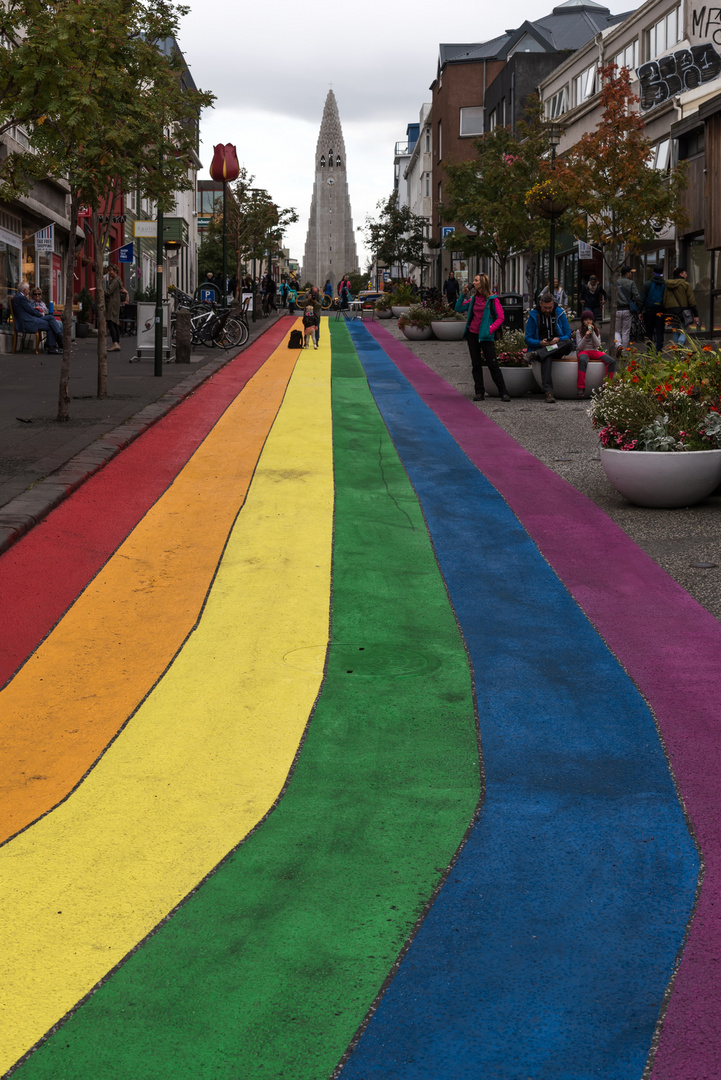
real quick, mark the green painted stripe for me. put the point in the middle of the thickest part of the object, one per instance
(269, 968)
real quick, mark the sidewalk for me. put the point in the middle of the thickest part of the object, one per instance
(41, 460)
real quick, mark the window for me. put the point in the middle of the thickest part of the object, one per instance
(471, 121)
(692, 144)
(131, 201)
(492, 121)
(661, 155)
(585, 85)
(558, 104)
(428, 140)
(440, 140)
(627, 57)
(664, 34)
(428, 183)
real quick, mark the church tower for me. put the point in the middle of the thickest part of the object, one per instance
(330, 250)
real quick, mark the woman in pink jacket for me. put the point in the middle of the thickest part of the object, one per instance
(485, 316)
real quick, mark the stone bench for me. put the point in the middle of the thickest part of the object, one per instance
(564, 373)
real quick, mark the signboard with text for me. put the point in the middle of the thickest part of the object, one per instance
(145, 228)
(45, 240)
(125, 253)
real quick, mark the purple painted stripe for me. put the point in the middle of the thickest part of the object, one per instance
(670, 647)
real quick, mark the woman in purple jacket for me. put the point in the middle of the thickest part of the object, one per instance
(485, 316)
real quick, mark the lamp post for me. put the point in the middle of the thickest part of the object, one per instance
(224, 167)
(555, 131)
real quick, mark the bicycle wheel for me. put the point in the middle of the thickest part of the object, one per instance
(327, 302)
(226, 335)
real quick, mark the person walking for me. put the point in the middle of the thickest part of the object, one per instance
(628, 304)
(654, 318)
(548, 337)
(484, 317)
(559, 294)
(593, 297)
(113, 293)
(451, 289)
(679, 304)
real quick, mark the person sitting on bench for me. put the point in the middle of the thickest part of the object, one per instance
(28, 321)
(548, 337)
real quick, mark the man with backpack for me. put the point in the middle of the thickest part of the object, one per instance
(629, 300)
(654, 318)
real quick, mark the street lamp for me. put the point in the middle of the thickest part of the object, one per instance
(224, 167)
(554, 133)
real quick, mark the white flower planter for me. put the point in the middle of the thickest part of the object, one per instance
(518, 380)
(449, 329)
(384, 313)
(565, 375)
(663, 479)
(398, 311)
(417, 333)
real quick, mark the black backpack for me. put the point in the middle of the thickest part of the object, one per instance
(295, 341)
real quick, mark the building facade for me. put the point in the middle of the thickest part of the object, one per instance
(330, 249)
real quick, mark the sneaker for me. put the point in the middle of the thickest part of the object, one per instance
(505, 397)
(549, 398)
(315, 346)
(114, 348)
(580, 392)
(478, 397)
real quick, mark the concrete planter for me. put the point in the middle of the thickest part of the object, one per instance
(398, 311)
(518, 380)
(663, 480)
(384, 313)
(417, 333)
(565, 374)
(449, 329)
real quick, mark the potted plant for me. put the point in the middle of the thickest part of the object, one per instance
(416, 323)
(82, 325)
(447, 324)
(402, 298)
(659, 423)
(383, 306)
(517, 372)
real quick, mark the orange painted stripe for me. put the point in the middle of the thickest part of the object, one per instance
(80, 686)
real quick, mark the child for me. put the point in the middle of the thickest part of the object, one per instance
(310, 322)
(588, 347)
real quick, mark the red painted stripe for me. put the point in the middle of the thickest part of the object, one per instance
(44, 572)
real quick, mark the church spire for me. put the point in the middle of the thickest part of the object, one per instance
(330, 249)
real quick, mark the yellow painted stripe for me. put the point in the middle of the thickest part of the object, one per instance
(80, 686)
(203, 758)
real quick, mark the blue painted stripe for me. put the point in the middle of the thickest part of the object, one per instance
(548, 951)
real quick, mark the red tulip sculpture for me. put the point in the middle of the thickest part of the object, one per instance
(224, 165)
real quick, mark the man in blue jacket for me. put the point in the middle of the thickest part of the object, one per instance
(548, 337)
(28, 319)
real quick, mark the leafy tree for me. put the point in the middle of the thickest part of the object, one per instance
(98, 87)
(617, 197)
(488, 192)
(397, 236)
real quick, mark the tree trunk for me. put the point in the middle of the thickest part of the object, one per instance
(100, 306)
(614, 302)
(64, 388)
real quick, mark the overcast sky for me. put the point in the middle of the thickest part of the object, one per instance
(271, 65)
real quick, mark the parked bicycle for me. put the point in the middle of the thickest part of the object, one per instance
(212, 326)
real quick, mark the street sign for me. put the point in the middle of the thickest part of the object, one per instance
(208, 295)
(45, 240)
(204, 222)
(447, 230)
(585, 251)
(125, 253)
(386, 275)
(145, 228)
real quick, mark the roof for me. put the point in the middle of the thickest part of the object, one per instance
(568, 27)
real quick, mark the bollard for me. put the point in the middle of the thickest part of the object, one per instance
(182, 336)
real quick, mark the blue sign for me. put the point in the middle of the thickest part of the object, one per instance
(208, 295)
(447, 230)
(125, 254)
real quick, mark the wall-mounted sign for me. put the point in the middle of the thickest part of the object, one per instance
(125, 253)
(447, 230)
(45, 240)
(585, 251)
(683, 70)
(145, 228)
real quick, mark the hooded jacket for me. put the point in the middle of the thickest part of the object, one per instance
(679, 295)
(534, 326)
(492, 307)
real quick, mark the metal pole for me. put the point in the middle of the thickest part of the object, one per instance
(254, 289)
(159, 296)
(225, 248)
(552, 255)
